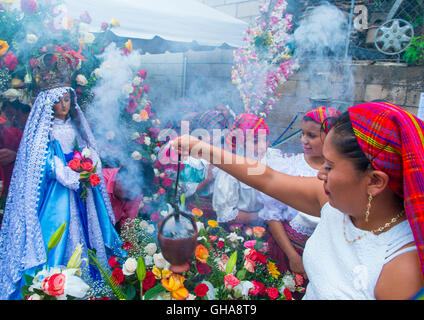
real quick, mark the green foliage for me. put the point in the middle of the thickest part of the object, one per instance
(415, 52)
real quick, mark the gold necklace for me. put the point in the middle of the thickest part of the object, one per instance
(380, 229)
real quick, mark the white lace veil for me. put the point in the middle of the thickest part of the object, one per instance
(21, 242)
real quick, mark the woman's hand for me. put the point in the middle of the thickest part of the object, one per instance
(296, 264)
(187, 145)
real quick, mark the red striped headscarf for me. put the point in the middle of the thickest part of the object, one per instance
(210, 120)
(243, 123)
(321, 114)
(393, 140)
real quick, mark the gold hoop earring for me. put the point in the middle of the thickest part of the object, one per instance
(367, 213)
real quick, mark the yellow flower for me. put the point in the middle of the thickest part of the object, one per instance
(197, 212)
(161, 273)
(129, 45)
(212, 223)
(75, 261)
(175, 284)
(272, 269)
(114, 22)
(4, 46)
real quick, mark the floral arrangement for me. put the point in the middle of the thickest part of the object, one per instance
(227, 265)
(81, 163)
(264, 62)
(58, 283)
(36, 27)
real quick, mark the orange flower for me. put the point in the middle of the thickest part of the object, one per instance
(202, 253)
(258, 232)
(4, 46)
(144, 115)
(175, 284)
(197, 212)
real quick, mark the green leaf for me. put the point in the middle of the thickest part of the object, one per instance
(141, 269)
(57, 235)
(231, 263)
(130, 293)
(241, 275)
(28, 279)
(182, 199)
(153, 292)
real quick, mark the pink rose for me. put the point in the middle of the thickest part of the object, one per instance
(142, 74)
(230, 281)
(54, 285)
(161, 191)
(10, 61)
(259, 288)
(146, 88)
(155, 216)
(78, 155)
(250, 244)
(104, 26)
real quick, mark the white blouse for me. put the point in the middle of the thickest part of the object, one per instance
(340, 270)
(295, 165)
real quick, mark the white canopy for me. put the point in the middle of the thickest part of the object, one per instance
(175, 20)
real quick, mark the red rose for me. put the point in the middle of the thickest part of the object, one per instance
(118, 276)
(288, 294)
(74, 164)
(54, 285)
(149, 281)
(86, 166)
(273, 293)
(202, 268)
(220, 244)
(10, 61)
(167, 183)
(113, 262)
(161, 191)
(94, 179)
(259, 288)
(201, 290)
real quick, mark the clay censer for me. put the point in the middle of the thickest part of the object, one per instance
(177, 235)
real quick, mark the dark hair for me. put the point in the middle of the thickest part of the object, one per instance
(345, 142)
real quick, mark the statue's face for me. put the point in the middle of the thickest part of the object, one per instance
(61, 109)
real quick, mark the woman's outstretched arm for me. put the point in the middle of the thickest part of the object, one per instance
(302, 193)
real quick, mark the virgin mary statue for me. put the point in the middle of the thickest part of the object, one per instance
(45, 192)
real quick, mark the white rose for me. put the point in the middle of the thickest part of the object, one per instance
(160, 261)
(81, 80)
(89, 38)
(86, 153)
(96, 73)
(156, 171)
(136, 117)
(153, 157)
(148, 260)
(151, 249)
(136, 81)
(136, 155)
(147, 141)
(31, 38)
(150, 229)
(129, 267)
(144, 224)
(127, 89)
(135, 135)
